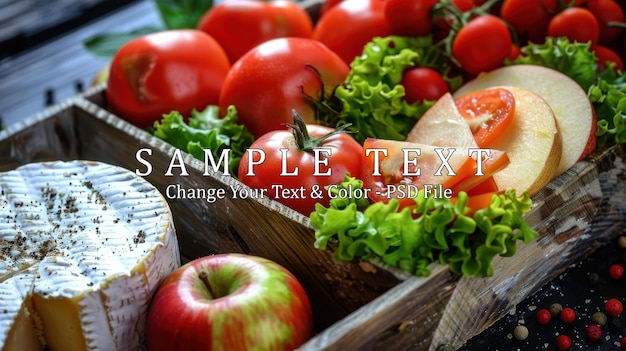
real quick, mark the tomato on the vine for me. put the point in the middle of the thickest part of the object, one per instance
(605, 55)
(423, 84)
(280, 75)
(482, 44)
(607, 11)
(466, 5)
(575, 23)
(160, 72)
(295, 169)
(243, 24)
(348, 26)
(409, 17)
(489, 113)
(530, 18)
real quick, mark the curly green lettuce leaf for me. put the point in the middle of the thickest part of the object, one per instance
(372, 97)
(573, 59)
(206, 130)
(608, 97)
(436, 230)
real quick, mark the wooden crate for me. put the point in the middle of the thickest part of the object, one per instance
(357, 305)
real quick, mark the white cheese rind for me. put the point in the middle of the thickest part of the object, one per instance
(89, 233)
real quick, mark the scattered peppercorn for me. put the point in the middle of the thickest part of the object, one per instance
(621, 241)
(599, 318)
(555, 309)
(616, 271)
(520, 332)
(623, 343)
(568, 315)
(593, 279)
(543, 316)
(563, 342)
(613, 307)
(593, 332)
(615, 324)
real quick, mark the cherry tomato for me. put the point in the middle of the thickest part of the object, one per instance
(327, 5)
(489, 113)
(530, 18)
(482, 44)
(607, 11)
(409, 17)
(466, 5)
(279, 167)
(605, 54)
(348, 26)
(274, 78)
(390, 169)
(240, 25)
(165, 71)
(423, 83)
(575, 23)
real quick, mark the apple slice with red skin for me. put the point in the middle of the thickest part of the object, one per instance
(229, 302)
(532, 142)
(574, 112)
(444, 125)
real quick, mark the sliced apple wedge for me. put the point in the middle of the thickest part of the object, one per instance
(532, 142)
(443, 125)
(573, 111)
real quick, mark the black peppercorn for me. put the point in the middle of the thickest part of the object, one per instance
(615, 324)
(593, 279)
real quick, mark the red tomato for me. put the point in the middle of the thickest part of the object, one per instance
(605, 54)
(274, 78)
(395, 174)
(299, 189)
(489, 113)
(349, 25)
(482, 44)
(423, 83)
(530, 18)
(240, 25)
(466, 5)
(160, 72)
(327, 5)
(409, 17)
(575, 23)
(607, 11)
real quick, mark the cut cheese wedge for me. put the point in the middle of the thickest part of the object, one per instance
(83, 246)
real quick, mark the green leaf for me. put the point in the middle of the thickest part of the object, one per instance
(205, 130)
(106, 45)
(372, 97)
(435, 231)
(181, 14)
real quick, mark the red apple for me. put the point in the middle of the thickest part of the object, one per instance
(229, 302)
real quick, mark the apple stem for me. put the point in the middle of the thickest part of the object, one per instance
(204, 277)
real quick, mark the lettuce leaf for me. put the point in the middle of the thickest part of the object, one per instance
(608, 96)
(436, 231)
(372, 97)
(206, 130)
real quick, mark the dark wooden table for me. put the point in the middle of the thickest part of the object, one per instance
(51, 64)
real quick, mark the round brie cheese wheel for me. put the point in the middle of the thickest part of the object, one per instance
(83, 247)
